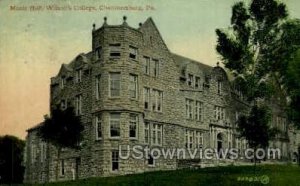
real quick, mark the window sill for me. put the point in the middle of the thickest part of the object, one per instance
(114, 58)
(114, 138)
(133, 138)
(98, 139)
(116, 97)
(134, 59)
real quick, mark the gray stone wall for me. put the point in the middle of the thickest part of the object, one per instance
(95, 157)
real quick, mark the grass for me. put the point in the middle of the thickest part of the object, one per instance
(231, 175)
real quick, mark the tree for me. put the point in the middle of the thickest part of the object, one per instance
(11, 157)
(63, 129)
(247, 50)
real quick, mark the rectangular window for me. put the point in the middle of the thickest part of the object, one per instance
(115, 50)
(156, 134)
(98, 52)
(98, 127)
(115, 84)
(62, 167)
(199, 139)
(62, 82)
(146, 98)
(197, 83)
(133, 125)
(133, 52)
(198, 111)
(190, 79)
(189, 108)
(78, 75)
(189, 135)
(155, 67)
(147, 132)
(98, 86)
(219, 87)
(78, 105)
(146, 61)
(133, 86)
(219, 113)
(157, 100)
(115, 160)
(114, 125)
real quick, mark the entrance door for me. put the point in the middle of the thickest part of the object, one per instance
(220, 144)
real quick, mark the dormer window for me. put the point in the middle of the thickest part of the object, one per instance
(190, 79)
(197, 82)
(115, 50)
(98, 52)
(133, 52)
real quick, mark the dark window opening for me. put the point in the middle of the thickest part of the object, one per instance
(115, 160)
(150, 160)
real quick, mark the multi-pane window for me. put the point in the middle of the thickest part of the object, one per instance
(115, 160)
(219, 87)
(78, 76)
(219, 113)
(78, 104)
(98, 53)
(98, 127)
(98, 86)
(115, 50)
(114, 125)
(133, 122)
(133, 52)
(133, 86)
(146, 98)
(199, 139)
(156, 134)
(146, 62)
(62, 82)
(155, 67)
(62, 167)
(198, 110)
(189, 138)
(281, 123)
(189, 108)
(190, 80)
(197, 82)
(115, 84)
(147, 132)
(157, 98)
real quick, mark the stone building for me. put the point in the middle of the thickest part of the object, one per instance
(131, 90)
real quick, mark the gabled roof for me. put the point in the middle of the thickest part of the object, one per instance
(150, 22)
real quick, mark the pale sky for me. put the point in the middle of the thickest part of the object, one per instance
(34, 44)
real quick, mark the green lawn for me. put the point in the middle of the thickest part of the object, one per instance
(231, 175)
